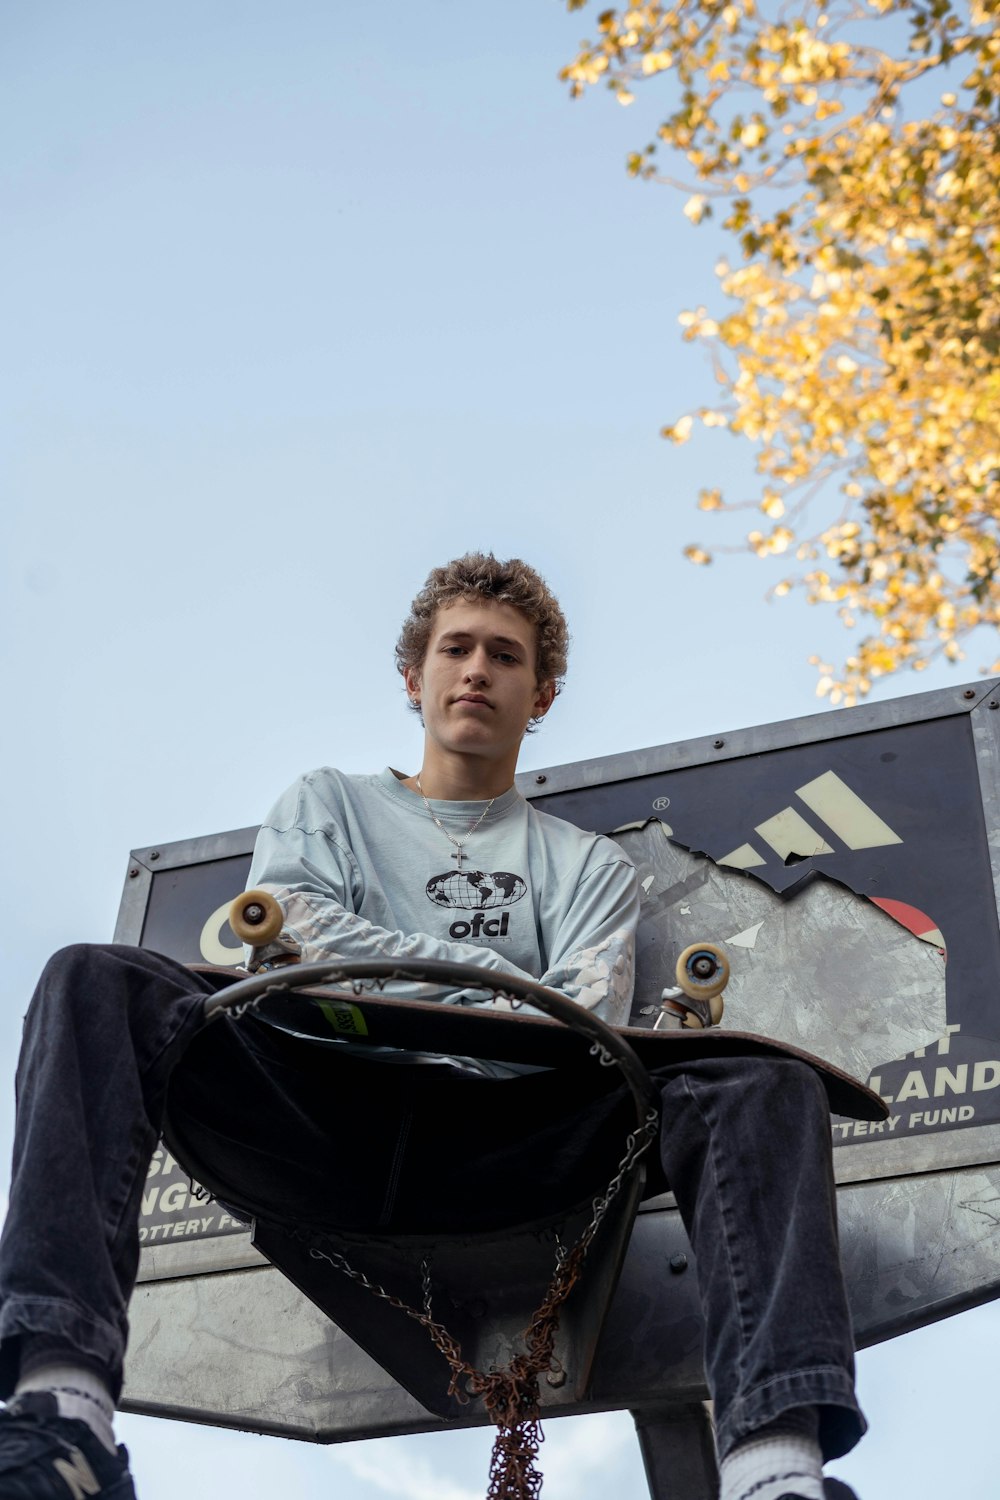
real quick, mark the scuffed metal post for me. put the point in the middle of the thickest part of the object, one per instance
(678, 1451)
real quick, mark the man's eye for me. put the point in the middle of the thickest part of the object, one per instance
(507, 657)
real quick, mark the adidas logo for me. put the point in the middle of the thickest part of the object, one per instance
(791, 836)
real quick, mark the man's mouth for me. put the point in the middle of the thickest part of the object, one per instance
(476, 698)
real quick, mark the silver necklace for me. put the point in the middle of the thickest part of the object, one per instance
(459, 854)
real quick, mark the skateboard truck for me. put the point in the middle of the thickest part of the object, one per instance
(695, 1002)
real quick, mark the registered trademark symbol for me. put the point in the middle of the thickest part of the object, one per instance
(661, 803)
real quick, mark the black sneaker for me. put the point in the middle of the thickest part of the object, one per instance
(44, 1456)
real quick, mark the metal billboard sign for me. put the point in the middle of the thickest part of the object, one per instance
(849, 862)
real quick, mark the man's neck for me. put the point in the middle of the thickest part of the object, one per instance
(461, 778)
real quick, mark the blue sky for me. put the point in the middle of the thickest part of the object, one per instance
(298, 302)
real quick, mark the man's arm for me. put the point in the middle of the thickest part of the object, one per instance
(592, 959)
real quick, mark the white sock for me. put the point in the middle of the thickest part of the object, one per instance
(80, 1393)
(776, 1463)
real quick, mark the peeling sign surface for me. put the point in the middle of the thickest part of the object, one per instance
(868, 859)
(747, 938)
(824, 968)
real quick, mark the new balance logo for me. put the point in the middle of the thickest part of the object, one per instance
(792, 837)
(77, 1475)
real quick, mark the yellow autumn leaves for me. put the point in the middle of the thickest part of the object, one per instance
(858, 344)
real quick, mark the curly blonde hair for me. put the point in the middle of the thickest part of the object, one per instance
(480, 576)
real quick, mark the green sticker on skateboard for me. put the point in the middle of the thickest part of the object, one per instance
(343, 1017)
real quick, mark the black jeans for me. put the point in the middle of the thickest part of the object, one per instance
(115, 1044)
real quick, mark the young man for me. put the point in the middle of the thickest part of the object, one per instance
(448, 862)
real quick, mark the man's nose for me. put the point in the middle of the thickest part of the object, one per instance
(477, 667)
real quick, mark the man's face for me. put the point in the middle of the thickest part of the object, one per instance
(477, 686)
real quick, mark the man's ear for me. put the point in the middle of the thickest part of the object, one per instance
(411, 676)
(546, 696)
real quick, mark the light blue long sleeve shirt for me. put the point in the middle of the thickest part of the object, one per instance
(362, 870)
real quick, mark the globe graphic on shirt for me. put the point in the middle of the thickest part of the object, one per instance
(475, 890)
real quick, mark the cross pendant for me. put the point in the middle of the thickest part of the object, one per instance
(458, 856)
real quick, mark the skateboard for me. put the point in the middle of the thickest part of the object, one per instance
(701, 973)
(303, 1004)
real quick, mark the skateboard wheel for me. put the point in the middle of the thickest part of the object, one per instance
(703, 972)
(256, 918)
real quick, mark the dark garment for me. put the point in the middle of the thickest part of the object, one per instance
(116, 1048)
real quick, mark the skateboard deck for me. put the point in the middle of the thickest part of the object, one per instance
(334, 1017)
(485, 1311)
